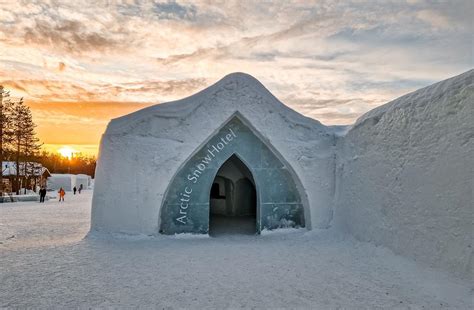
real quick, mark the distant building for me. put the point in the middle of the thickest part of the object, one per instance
(31, 175)
(68, 181)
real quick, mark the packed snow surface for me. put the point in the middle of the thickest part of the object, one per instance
(45, 262)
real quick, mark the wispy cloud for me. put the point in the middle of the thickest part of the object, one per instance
(173, 10)
(69, 35)
(146, 91)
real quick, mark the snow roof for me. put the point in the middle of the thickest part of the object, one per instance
(235, 92)
(34, 168)
(421, 98)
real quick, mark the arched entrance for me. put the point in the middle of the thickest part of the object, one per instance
(233, 200)
(236, 148)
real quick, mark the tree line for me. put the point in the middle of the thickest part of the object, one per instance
(19, 144)
(78, 164)
(18, 141)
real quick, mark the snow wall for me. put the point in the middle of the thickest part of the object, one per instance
(56, 181)
(68, 181)
(405, 175)
(141, 153)
(82, 179)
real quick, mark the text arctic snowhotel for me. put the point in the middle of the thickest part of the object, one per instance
(193, 178)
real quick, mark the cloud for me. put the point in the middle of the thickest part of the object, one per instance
(433, 18)
(328, 60)
(50, 89)
(164, 87)
(172, 10)
(332, 111)
(213, 53)
(69, 35)
(143, 91)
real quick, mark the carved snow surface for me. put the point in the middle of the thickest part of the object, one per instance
(405, 175)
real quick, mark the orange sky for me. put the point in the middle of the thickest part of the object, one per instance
(79, 65)
(78, 125)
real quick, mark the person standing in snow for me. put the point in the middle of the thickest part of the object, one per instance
(80, 188)
(62, 193)
(42, 193)
(74, 190)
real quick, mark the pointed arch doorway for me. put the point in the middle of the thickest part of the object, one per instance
(280, 200)
(233, 200)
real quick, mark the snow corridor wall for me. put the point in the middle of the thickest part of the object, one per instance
(405, 176)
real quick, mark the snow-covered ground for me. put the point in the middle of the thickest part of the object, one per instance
(45, 262)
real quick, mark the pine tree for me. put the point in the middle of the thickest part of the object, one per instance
(30, 145)
(5, 131)
(17, 139)
(17, 130)
(24, 142)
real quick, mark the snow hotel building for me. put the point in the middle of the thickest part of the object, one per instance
(400, 176)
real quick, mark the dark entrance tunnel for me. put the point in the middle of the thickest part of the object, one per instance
(233, 200)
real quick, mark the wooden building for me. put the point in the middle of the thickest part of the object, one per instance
(32, 175)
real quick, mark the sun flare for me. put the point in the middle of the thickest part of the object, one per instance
(66, 151)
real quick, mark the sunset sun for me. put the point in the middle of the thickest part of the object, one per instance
(66, 151)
